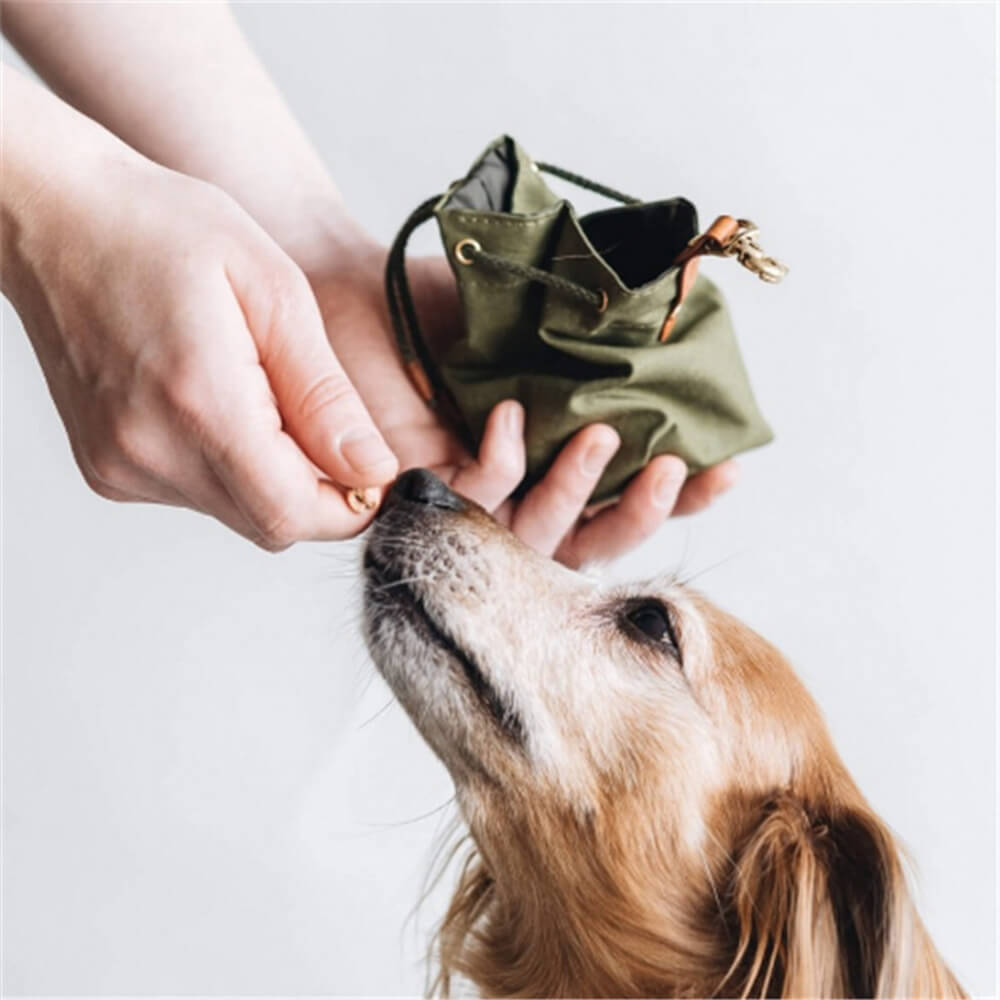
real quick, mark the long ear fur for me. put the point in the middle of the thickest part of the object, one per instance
(453, 937)
(820, 908)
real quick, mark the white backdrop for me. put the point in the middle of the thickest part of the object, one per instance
(191, 803)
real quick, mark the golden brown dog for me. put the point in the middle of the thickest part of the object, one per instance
(656, 804)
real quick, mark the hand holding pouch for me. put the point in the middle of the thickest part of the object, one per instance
(600, 318)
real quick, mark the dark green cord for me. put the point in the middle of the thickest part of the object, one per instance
(580, 181)
(403, 313)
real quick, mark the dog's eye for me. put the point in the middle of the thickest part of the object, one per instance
(652, 619)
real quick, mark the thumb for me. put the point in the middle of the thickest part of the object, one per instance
(320, 407)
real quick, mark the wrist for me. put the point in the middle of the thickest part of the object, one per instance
(326, 241)
(41, 191)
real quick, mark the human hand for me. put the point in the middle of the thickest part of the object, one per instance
(183, 349)
(268, 165)
(553, 516)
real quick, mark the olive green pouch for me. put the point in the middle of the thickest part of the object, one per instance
(584, 319)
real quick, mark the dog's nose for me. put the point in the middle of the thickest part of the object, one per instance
(423, 487)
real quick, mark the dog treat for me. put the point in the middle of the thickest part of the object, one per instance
(595, 318)
(360, 500)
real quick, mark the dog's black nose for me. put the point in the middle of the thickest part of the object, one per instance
(423, 487)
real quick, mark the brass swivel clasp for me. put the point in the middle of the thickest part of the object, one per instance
(744, 247)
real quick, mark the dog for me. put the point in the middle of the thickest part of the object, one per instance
(656, 806)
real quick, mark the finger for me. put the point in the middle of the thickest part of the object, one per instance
(700, 490)
(504, 514)
(646, 503)
(554, 505)
(117, 479)
(136, 489)
(199, 487)
(193, 485)
(500, 466)
(275, 487)
(320, 407)
(151, 466)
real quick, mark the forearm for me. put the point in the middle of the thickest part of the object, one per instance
(180, 84)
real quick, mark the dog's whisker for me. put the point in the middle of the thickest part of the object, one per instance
(405, 581)
(385, 708)
(414, 819)
(369, 680)
(687, 581)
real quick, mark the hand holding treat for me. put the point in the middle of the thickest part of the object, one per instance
(160, 272)
(182, 346)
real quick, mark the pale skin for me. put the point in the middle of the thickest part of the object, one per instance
(209, 316)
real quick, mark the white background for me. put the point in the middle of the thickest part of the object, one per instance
(191, 802)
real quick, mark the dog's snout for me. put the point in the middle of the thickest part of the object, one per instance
(422, 487)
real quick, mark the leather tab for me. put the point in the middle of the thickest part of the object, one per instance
(718, 234)
(685, 282)
(713, 240)
(420, 380)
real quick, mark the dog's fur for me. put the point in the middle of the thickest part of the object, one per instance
(649, 821)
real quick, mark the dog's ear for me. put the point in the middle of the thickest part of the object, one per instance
(819, 907)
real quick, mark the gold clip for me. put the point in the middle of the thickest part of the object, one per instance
(744, 247)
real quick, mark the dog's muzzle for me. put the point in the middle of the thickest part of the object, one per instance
(422, 489)
(418, 563)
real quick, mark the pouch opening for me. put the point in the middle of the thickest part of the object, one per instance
(641, 242)
(489, 187)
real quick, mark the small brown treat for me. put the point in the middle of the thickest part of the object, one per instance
(360, 500)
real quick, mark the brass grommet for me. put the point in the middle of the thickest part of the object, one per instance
(460, 247)
(604, 301)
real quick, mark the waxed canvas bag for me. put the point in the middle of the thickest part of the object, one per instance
(600, 317)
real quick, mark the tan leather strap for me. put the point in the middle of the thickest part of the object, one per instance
(712, 241)
(420, 380)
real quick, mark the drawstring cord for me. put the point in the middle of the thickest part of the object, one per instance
(583, 182)
(470, 252)
(403, 314)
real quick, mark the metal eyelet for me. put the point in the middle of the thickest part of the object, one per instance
(460, 248)
(604, 301)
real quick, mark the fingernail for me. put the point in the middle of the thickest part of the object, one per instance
(597, 456)
(364, 449)
(730, 477)
(514, 420)
(667, 487)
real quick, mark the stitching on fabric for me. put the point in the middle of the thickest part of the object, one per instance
(517, 223)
